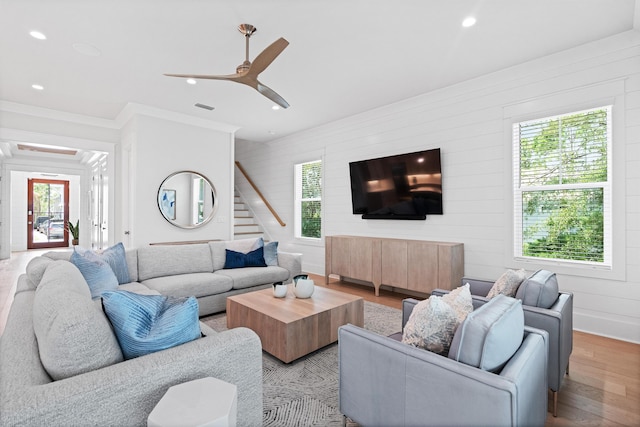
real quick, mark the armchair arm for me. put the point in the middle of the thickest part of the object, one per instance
(385, 382)
(125, 393)
(292, 262)
(558, 322)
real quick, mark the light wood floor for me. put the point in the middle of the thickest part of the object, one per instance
(602, 389)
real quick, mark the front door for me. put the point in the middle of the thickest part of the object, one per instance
(47, 213)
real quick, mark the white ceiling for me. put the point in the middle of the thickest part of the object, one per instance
(344, 57)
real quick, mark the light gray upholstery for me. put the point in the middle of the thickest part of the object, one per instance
(74, 335)
(245, 277)
(122, 394)
(191, 284)
(539, 290)
(191, 270)
(159, 260)
(384, 382)
(557, 320)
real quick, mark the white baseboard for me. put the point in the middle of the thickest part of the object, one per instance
(610, 328)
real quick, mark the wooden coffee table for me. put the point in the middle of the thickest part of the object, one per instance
(290, 327)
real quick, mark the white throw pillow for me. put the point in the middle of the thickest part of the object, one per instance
(431, 326)
(508, 283)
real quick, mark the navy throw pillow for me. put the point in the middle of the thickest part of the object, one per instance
(145, 324)
(235, 259)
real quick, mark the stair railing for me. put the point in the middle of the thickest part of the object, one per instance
(255, 188)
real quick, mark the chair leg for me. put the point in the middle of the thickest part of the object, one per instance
(568, 363)
(555, 403)
(344, 421)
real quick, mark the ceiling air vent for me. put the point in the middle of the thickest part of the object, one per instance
(204, 106)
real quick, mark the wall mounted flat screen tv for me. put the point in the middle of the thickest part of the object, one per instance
(404, 186)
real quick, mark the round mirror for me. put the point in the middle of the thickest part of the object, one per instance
(187, 199)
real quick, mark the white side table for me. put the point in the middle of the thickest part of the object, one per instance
(205, 402)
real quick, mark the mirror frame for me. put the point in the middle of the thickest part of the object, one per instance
(214, 194)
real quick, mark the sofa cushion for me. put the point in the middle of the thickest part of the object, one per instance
(116, 257)
(460, 301)
(490, 335)
(271, 253)
(235, 259)
(431, 326)
(539, 290)
(508, 283)
(137, 288)
(97, 272)
(73, 334)
(159, 261)
(148, 323)
(132, 263)
(218, 254)
(247, 277)
(194, 284)
(244, 245)
(36, 268)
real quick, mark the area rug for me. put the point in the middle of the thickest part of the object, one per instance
(305, 391)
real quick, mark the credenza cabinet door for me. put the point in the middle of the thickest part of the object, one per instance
(422, 266)
(340, 254)
(394, 263)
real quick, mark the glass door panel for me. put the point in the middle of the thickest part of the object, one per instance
(47, 213)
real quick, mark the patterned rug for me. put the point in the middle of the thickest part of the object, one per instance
(305, 391)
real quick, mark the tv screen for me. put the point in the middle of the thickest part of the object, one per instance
(404, 186)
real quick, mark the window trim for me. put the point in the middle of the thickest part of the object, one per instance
(297, 202)
(583, 98)
(518, 192)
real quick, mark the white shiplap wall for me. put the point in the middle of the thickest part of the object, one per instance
(467, 122)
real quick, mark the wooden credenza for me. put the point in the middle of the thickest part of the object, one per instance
(416, 265)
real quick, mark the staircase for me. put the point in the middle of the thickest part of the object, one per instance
(244, 225)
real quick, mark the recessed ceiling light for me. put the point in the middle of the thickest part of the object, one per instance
(275, 107)
(86, 49)
(469, 22)
(37, 35)
(37, 87)
(191, 81)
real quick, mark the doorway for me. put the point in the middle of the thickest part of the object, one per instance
(47, 213)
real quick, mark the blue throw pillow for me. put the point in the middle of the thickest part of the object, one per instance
(271, 253)
(235, 259)
(148, 323)
(96, 272)
(116, 258)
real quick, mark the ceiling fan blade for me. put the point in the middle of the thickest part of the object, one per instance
(272, 95)
(267, 56)
(209, 77)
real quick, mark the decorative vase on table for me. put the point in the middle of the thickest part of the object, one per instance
(303, 287)
(279, 290)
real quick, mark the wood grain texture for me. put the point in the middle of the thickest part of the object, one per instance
(290, 327)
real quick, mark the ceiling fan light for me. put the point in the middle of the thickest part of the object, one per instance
(37, 87)
(275, 107)
(191, 81)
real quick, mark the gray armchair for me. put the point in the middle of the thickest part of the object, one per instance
(556, 320)
(384, 382)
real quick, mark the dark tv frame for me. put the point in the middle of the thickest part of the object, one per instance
(395, 216)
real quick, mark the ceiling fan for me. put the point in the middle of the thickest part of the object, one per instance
(247, 72)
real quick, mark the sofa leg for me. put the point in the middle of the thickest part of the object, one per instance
(567, 371)
(344, 421)
(555, 403)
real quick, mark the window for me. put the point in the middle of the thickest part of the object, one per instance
(562, 187)
(309, 199)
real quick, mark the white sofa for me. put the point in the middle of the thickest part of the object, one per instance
(198, 270)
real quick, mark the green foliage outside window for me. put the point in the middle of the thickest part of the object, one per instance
(563, 172)
(311, 203)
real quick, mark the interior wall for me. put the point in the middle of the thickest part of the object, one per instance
(466, 122)
(160, 147)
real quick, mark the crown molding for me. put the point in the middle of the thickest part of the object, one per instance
(31, 110)
(132, 109)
